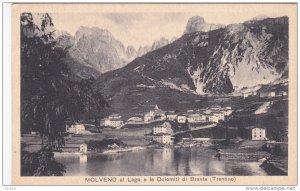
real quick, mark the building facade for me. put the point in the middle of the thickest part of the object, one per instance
(83, 148)
(171, 116)
(258, 134)
(159, 129)
(166, 127)
(116, 123)
(162, 138)
(148, 117)
(181, 118)
(113, 120)
(220, 116)
(213, 118)
(194, 118)
(75, 129)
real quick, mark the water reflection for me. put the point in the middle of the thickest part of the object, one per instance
(167, 161)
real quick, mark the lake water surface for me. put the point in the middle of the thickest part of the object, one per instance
(157, 162)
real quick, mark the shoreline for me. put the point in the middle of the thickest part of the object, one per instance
(267, 167)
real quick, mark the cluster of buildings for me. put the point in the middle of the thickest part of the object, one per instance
(156, 113)
(212, 114)
(265, 94)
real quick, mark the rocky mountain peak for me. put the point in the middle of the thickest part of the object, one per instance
(198, 24)
(94, 32)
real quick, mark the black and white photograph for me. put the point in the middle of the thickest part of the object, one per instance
(155, 93)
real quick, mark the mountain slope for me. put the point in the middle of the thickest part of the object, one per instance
(217, 62)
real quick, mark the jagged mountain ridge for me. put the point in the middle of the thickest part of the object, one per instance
(99, 50)
(216, 62)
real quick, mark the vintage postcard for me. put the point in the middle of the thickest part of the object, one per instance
(154, 94)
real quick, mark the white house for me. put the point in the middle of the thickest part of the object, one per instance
(203, 117)
(267, 94)
(83, 148)
(114, 116)
(116, 123)
(272, 94)
(159, 129)
(148, 117)
(282, 93)
(181, 118)
(213, 118)
(220, 115)
(166, 127)
(162, 138)
(171, 116)
(113, 120)
(228, 112)
(246, 94)
(75, 128)
(105, 122)
(258, 134)
(194, 118)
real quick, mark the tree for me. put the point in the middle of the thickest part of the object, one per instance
(48, 95)
(41, 163)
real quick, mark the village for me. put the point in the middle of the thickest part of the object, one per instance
(158, 128)
(162, 127)
(163, 133)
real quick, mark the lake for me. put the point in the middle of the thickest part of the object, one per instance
(194, 161)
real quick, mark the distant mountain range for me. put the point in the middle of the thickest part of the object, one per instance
(219, 61)
(207, 59)
(98, 50)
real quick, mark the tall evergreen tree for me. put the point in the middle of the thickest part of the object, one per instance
(48, 95)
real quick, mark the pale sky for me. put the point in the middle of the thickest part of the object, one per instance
(138, 29)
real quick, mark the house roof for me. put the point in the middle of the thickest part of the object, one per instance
(194, 115)
(116, 120)
(217, 113)
(115, 115)
(215, 106)
(134, 119)
(172, 114)
(258, 128)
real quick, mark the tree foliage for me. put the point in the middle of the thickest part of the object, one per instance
(41, 163)
(49, 97)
